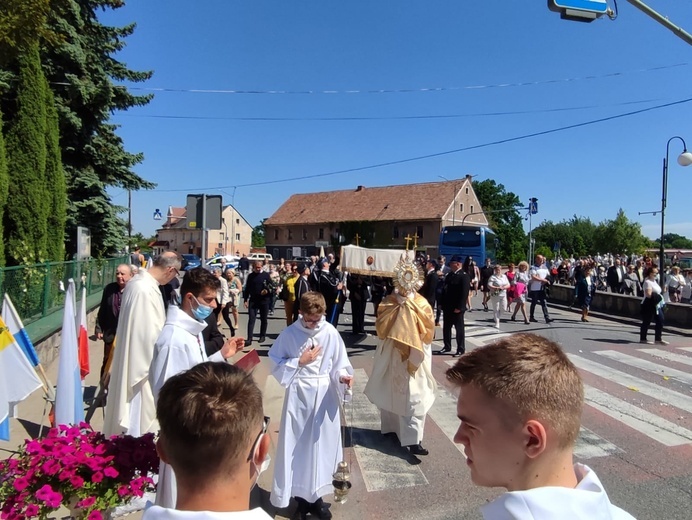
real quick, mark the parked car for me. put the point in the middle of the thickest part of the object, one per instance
(260, 256)
(190, 261)
(231, 261)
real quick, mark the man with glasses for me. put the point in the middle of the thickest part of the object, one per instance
(256, 296)
(214, 436)
(130, 407)
(180, 346)
(309, 360)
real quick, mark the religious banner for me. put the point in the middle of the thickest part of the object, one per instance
(366, 261)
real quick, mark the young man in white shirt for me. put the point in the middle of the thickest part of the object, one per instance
(520, 405)
(214, 435)
(539, 274)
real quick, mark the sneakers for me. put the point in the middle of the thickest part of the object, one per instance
(646, 342)
(662, 342)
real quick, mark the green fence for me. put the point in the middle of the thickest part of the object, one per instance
(36, 290)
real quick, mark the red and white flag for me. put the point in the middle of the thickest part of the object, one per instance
(82, 337)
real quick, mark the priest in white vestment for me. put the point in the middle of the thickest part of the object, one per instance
(130, 407)
(401, 384)
(309, 359)
(180, 346)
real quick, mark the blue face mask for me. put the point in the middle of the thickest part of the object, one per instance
(202, 312)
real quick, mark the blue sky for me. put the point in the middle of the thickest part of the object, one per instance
(333, 59)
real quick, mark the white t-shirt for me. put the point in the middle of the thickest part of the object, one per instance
(541, 272)
(650, 284)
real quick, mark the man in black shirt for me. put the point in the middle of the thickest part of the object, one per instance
(486, 272)
(257, 293)
(455, 293)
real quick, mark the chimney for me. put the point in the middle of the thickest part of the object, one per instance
(360, 188)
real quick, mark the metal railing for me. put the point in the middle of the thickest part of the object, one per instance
(36, 290)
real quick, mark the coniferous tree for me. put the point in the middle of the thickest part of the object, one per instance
(82, 71)
(4, 186)
(25, 219)
(55, 182)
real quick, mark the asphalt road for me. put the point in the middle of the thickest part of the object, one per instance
(637, 422)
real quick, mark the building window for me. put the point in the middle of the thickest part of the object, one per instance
(276, 234)
(395, 232)
(467, 190)
(237, 221)
(321, 234)
(290, 234)
(461, 207)
(221, 235)
(471, 208)
(305, 234)
(237, 236)
(419, 231)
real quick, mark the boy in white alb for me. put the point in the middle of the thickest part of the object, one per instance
(214, 435)
(520, 405)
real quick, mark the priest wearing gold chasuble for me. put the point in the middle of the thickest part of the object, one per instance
(401, 384)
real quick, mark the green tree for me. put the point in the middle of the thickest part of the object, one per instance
(502, 209)
(619, 235)
(575, 236)
(55, 182)
(82, 69)
(673, 241)
(258, 234)
(23, 23)
(4, 187)
(25, 219)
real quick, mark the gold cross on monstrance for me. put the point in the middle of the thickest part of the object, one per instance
(357, 237)
(408, 239)
(415, 241)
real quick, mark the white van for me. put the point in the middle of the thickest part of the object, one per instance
(260, 256)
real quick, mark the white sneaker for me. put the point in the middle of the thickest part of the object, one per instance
(497, 324)
(662, 342)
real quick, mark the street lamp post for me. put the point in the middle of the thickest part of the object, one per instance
(684, 159)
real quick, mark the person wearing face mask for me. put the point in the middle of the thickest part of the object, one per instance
(309, 360)
(214, 436)
(180, 346)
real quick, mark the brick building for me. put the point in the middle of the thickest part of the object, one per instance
(378, 217)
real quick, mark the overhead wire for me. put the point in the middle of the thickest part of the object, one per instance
(440, 154)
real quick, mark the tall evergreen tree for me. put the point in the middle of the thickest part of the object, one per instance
(25, 219)
(55, 182)
(82, 71)
(4, 187)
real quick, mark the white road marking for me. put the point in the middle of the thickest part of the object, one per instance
(590, 445)
(670, 356)
(643, 364)
(653, 426)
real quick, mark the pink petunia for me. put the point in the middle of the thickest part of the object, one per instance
(76, 481)
(95, 515)
(123, 490)
(21, 483)
(50, 467)
(86, 502)
(110, 472)
(31, 510)
(97, 477)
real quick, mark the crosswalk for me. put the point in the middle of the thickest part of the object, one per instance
(645, 390)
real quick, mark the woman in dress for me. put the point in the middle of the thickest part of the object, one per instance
(521, 283)
(652, 308)
(674, 284)
(585, 289)
(510, 292)
(235, 288)
(498, 285)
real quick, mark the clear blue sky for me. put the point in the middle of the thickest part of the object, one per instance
(343, 52)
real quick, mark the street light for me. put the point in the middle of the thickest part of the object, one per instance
(684, 159)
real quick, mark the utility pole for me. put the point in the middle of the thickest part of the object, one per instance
(129, 219)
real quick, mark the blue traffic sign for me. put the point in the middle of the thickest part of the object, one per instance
(592, 6)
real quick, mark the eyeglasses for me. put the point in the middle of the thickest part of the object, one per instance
(265, 425)
(177, 273)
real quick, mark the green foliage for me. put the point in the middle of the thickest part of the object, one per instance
(502, 211)
(25, 219)
(619, 235)
(544, 251)
(258, 235)
(55, 182)
(673, 241)
(4, 187)
(23, 23)
(82, 70)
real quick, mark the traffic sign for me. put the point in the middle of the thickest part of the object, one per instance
(582, 10)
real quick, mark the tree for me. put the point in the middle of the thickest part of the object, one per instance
(673, 241)
(620, 235)
(4, 187)
(82, 69)
(575, 236)
(502, 211)
(55, 183)
(258, 235)
(25, 218)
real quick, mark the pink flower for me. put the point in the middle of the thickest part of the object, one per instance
(76, 481)
(50, 467)
(50, 497)
(97, 477)
(123, 490)
(31, 510)
(87, 502)
(21, 483)
(110, 472)
(95, 515)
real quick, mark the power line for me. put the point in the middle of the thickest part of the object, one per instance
(439, 154)
(390, 118)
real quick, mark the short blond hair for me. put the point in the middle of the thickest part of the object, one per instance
(312, 303)
(530, 374)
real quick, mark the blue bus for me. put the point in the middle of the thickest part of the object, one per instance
(474, 241)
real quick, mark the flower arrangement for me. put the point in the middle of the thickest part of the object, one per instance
(79, 468)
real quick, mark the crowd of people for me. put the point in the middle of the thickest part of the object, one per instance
(169, 373)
